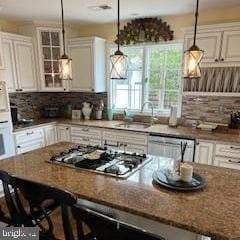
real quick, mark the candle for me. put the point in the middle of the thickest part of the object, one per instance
(186, 172)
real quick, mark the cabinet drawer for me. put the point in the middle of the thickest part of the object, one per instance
(125, 137)
(29, 136)
(86, 141)
(29, 146)
(227, 162)
(86, 132)
(232, 151)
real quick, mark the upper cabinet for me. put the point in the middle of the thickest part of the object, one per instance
(88, 63)
(20, 67)
(219, 42)
(50, 50)
(1, 53)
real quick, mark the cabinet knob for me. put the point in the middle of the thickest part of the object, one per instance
(64, 89)
(67, 128)
(18, 146)
(216, 60)
(92, 89)
(222, 59)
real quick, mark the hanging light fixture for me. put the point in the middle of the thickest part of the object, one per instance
(118, 59)
(193, 56)
(65, 63)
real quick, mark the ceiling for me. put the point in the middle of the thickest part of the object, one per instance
(78, 10)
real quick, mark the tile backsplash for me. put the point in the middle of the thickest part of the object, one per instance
(206, 108)
(30, 105)
(209, 108)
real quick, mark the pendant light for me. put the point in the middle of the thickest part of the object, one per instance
(118, 59)
(193, 56)
(65, 63)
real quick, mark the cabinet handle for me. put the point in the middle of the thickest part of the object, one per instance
(235, 148)
(30, 133)
(85, 129)
(92, 89)
(64, 89)
(216, 60)
(231, 161)
(86, 139)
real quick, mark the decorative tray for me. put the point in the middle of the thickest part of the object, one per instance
(197, 182)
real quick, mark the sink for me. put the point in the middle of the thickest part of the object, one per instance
(133, 125)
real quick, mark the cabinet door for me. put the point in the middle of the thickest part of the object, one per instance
(204, 153)
(25, 64)
(30, 146)
(51, 135)
(63, 134)
(2, 62)
(9, 74)
(209, 42)
(230, 46)
(82, 66)
(227, 162)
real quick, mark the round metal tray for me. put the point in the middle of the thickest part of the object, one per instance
(197, 182)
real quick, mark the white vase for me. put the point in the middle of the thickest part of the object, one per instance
(87, 110)
(99, 114)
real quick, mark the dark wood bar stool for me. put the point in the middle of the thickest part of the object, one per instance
(100, 227)
(103, 227)
(18, 214)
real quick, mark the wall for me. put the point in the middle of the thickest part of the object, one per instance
(213, 16)
(8, 26)
(31, 105)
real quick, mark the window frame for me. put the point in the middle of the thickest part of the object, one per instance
(158, 113)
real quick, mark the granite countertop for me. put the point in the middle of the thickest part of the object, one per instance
(213, 211)
(223, 135)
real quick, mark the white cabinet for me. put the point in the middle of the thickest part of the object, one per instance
(88, 64)
(1, 53)
(204, 152)
(86, 135)
(50, 47)
(209, 42)
(220, 43)
(230, 46)
(63, 133)
(29, 140)
(20, 68)
(125, 140)
(50, 135)
(227, 155)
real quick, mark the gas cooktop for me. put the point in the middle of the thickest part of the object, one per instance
(101, 160)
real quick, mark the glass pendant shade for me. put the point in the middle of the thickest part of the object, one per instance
(192, 60)
(119, 63)
(65, 68)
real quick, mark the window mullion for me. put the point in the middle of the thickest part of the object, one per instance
(145, 74)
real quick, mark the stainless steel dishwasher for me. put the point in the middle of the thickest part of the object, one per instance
(170, 146)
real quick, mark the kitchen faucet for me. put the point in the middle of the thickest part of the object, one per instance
(151, 104)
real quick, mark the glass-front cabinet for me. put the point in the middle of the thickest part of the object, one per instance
(50, 50)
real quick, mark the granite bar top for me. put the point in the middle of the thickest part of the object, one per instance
(222, 135)
(213, 211)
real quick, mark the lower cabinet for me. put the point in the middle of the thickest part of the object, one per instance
(50, 135)
(204, 152)
(63, 133)
(86, 135)
(125, 140)
(29, 140)
(227, 155)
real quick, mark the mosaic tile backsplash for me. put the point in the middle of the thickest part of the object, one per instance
(30, 105)
(209, 108)
(206, 108)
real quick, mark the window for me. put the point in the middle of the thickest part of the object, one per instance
(154, 74)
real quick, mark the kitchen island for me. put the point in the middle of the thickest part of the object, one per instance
(213, 211)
